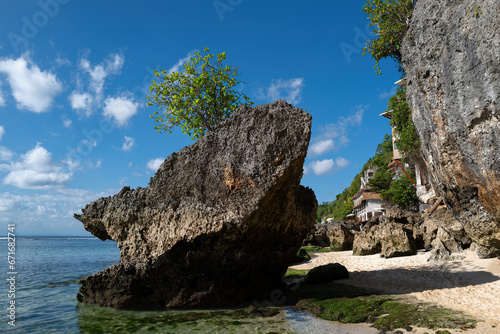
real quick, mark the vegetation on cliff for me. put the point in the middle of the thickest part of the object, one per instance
(407, 140)
(197, 99)
(389, 19)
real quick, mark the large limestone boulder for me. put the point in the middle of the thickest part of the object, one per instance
(318, 236)
(341, 237)
(219, 222)
(450, 57)
(443, 225)
(389, 239)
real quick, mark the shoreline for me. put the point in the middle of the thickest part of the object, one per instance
(471, 286)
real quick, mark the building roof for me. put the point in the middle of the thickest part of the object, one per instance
(367, 196)
(361, 191)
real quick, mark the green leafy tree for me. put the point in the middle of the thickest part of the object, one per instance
(197, 99)
(389, 19)
(401, 192)
(407, 139)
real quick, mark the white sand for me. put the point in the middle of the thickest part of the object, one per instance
(471, 285)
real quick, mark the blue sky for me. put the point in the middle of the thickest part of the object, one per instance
(74, 75)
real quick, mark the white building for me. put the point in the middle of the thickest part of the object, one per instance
(367, 204)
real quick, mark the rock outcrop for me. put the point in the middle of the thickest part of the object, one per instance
(318, 236)
(341, 236)
(442, 225)
(338, 235)
(389, 239)
(452, 63)
(219, 223)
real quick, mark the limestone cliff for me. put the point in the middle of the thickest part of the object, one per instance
(219, 223)
(451, 57)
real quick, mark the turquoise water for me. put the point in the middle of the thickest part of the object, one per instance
(45, 298)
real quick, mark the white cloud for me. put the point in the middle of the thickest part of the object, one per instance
(289, 90)
(128, 144)
(336, 135)
(2, 100)
(81, 102)
(342, 162)
(37, 170)
(323, 146)
(66, 121)
(5, 155)
(154, 164)
(322, 166)
(88, 99)
(326, 166)
(120, 108)
(32, 88)
(180, 63)
(2, 132)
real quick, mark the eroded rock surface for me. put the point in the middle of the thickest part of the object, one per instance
(219, 222)
(451, 57)
(390, 239)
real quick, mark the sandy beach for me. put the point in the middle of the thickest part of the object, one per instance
(471, 285)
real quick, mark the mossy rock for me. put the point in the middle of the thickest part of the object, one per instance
(336, 246)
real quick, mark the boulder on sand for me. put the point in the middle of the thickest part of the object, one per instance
(390, 239)
(219, 222)
(327, 273)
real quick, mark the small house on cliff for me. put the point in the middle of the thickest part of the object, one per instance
(367, 204)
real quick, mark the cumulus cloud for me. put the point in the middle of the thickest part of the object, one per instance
(128, 143)
(121, 109)
(5, 155)
(37, 170)
(154, 164)
(342, 162)
(288, 90)
(336, 135)
(326, 166)
(321, 147)
(90, 92)
(32, 88)
(81, 102)
(322, 166)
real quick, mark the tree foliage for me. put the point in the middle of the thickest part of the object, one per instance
(197, 99)
(389, 19)
(401, 192)
(407, 140)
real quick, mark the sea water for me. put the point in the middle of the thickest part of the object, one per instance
(46, 285)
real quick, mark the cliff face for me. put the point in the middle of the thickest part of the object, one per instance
(451, 56)
(219, 223)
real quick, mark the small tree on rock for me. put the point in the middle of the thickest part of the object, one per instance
(198, 98)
